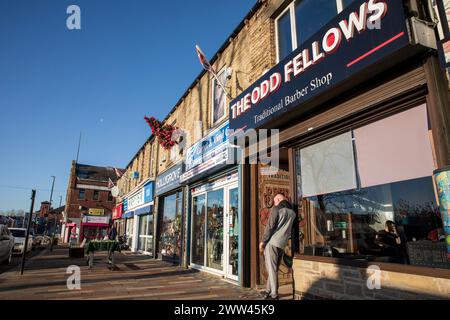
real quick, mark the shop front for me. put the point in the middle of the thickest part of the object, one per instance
(94, 227)
(357, 159)
(117, 219)
(170, 214)
(145, 218)
(139, 219)
(128, 218)
(215, 202)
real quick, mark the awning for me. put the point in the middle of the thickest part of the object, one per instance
(128, 214)
(144, 210)
(92, 224)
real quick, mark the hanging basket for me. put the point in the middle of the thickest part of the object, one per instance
(164, 133)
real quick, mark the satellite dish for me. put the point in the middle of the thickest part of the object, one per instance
(115, 191)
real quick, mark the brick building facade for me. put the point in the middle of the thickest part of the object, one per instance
(88, 193)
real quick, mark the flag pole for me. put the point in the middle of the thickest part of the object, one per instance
(221, 85)
(78, 150)
(208, 67)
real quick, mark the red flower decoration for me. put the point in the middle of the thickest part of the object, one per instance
(163, 132)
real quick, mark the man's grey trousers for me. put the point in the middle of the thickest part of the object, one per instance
(272, 256)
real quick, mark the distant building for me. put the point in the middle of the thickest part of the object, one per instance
(48, 219)
(89, 202)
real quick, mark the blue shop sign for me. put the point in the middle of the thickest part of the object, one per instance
(169, 180)
(148, 192)
(209, 152)
(207, 147)
(125, 205)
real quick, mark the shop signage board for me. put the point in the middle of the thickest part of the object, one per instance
(95, 219)
(361, 36)
(169, 180)
(136, 200)
(340, 225)
(97, 212)
(207, 153)
(148, 192)
(117, 211)
(229, 178)
(125, 205)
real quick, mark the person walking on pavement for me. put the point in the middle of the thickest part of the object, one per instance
(112, 235)
(276, 235)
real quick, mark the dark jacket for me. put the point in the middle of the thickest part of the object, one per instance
(112, 233)
(279, 227)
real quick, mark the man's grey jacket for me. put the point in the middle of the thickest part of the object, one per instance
(279, 227)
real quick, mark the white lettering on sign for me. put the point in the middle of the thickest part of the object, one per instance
(169, 178)
(136, 200)
(370, 13)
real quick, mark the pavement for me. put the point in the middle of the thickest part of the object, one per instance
(136, 276)
(17, 260)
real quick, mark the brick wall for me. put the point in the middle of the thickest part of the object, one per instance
(140, 163)
(249, 54)
(318, 280)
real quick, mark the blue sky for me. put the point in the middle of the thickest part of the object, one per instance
(131, 58)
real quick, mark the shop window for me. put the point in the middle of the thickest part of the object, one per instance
(301, 19)
(284, 33)
(392, 213)
(219, 98)
(145, 243)
(198, 229)
(81, 194)
(170, 227)
(110, 197)
(130, 231)
(95, 196)
(214, 230)
(328, 166)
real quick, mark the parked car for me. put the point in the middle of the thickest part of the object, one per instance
(6, 245)
(19, 240)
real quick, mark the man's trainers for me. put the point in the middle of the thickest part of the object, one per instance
(269, 297)
(265, 294)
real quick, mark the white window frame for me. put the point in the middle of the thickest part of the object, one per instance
(213, 82)
(291, 9)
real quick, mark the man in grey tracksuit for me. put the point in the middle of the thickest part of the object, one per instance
(276, 235)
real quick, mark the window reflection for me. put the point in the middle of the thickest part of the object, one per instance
(233, 231)
(311, 15)
(146, 233)
(345, 3)
(284, 35)
(214, 235)
(198, 230)
(380, 223)
(170, 230)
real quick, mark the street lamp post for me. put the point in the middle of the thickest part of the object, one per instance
(51, 196)
(51, 193)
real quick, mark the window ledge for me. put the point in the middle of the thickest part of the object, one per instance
(392, 267)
